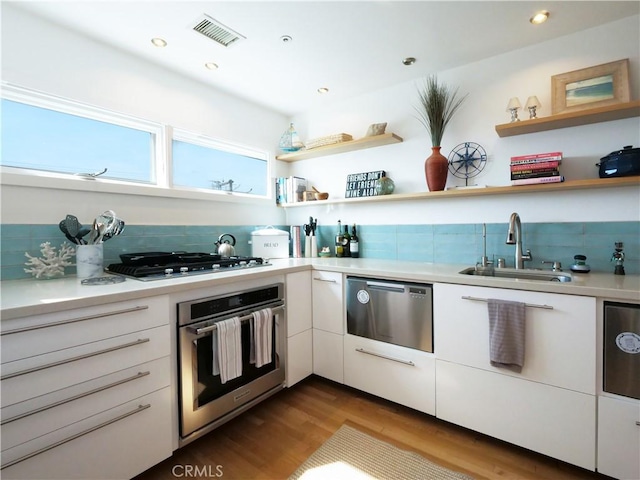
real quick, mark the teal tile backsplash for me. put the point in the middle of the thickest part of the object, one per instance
(455, 243)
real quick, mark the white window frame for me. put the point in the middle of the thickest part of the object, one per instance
(161, 153)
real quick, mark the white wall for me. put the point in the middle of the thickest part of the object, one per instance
(57, 61)
(42, 56)
(490, 84)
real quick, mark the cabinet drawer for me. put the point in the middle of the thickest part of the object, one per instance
(396, 373)
(118, 443)
(27, 337)
(328, 310)
(42, 415)
(560, 345)
(34, 376)
(619, 437)
(550, 420)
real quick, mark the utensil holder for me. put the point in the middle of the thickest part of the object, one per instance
(89, 260)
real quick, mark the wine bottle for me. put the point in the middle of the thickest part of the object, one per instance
(354, 245)
(346, 242)
(339, 244)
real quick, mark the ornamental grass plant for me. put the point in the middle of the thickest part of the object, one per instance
(438, 104)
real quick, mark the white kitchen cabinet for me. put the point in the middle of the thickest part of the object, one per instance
(328, 325)
(560, 341)
(328, 355)
(328, 304)
(554, 421)
(402, 375)
(550, 406)
(86, 393)
(619, 437)
(299, 363)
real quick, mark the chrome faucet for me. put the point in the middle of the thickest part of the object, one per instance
(514, 237)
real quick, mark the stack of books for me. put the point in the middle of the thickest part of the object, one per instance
(536, 168)
(290, 189)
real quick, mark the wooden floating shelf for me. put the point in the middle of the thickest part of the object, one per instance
(572, 119)
(342, 147)
(486, 191)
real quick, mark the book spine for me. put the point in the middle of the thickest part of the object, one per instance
(535, 174)
(537, 156)
(533, 181)
(534, 166)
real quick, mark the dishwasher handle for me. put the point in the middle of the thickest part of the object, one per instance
(388, 287)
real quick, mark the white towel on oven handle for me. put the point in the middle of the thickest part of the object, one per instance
(229, 349)
(261, 337)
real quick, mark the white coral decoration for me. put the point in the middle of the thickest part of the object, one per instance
(52, 263)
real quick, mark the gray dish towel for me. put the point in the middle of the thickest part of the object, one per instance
(506, 334)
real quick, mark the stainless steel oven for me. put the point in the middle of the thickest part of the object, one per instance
(205, 401)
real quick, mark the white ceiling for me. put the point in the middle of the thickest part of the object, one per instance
(351, 47)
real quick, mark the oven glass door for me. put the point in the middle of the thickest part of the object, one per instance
(203, 397)
(207, 386)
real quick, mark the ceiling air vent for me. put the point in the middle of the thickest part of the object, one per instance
(216, 31)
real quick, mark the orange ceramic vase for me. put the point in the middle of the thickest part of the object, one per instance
(436, 169)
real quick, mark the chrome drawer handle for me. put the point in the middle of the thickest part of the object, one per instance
(405, 362)
(75, 397)
(324, 280)
(73, 359)
(73, 437)
(531, 305)
(74, 320)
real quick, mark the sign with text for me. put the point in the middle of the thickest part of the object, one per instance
(362, 184)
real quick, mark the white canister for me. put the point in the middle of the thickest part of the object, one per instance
(89, 260)
(269, 242)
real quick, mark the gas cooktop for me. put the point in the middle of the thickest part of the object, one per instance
(162, 265)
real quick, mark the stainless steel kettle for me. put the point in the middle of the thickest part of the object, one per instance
(225, 246)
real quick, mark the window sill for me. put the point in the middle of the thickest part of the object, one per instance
(100, 185)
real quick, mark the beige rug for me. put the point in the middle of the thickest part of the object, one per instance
(353, 455)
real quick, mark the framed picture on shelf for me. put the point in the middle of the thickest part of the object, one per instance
(606, 84)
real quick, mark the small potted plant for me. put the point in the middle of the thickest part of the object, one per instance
(438, 104)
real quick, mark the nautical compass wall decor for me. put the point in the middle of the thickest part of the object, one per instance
(467, 160)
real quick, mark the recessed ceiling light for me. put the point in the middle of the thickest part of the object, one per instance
(539, 17)
(159, 42)
(409, 61)
(323, 90)
(286, 39)
(211, 65)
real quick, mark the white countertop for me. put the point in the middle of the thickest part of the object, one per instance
(20, 298)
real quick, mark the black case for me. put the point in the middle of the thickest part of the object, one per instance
(621, 163)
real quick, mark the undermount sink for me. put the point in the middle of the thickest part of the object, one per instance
(523, 274)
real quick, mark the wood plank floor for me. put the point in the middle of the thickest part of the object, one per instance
(273, 438)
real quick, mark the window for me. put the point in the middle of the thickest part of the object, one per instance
(58, 136)
(45, 137)
(203, 163)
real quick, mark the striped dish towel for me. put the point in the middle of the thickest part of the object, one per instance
(261, 337)
(229, 354)
(506, 334)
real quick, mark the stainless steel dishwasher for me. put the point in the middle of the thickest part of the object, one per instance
(622, 349)
(390, 311)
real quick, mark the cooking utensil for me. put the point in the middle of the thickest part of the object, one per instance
(320, 195)
(63, 228)
(82, 232)
(225, 249)
(73, 225)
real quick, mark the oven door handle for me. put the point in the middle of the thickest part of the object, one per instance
(197, 330)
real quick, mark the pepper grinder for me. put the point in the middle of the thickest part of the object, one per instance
(618, 256)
